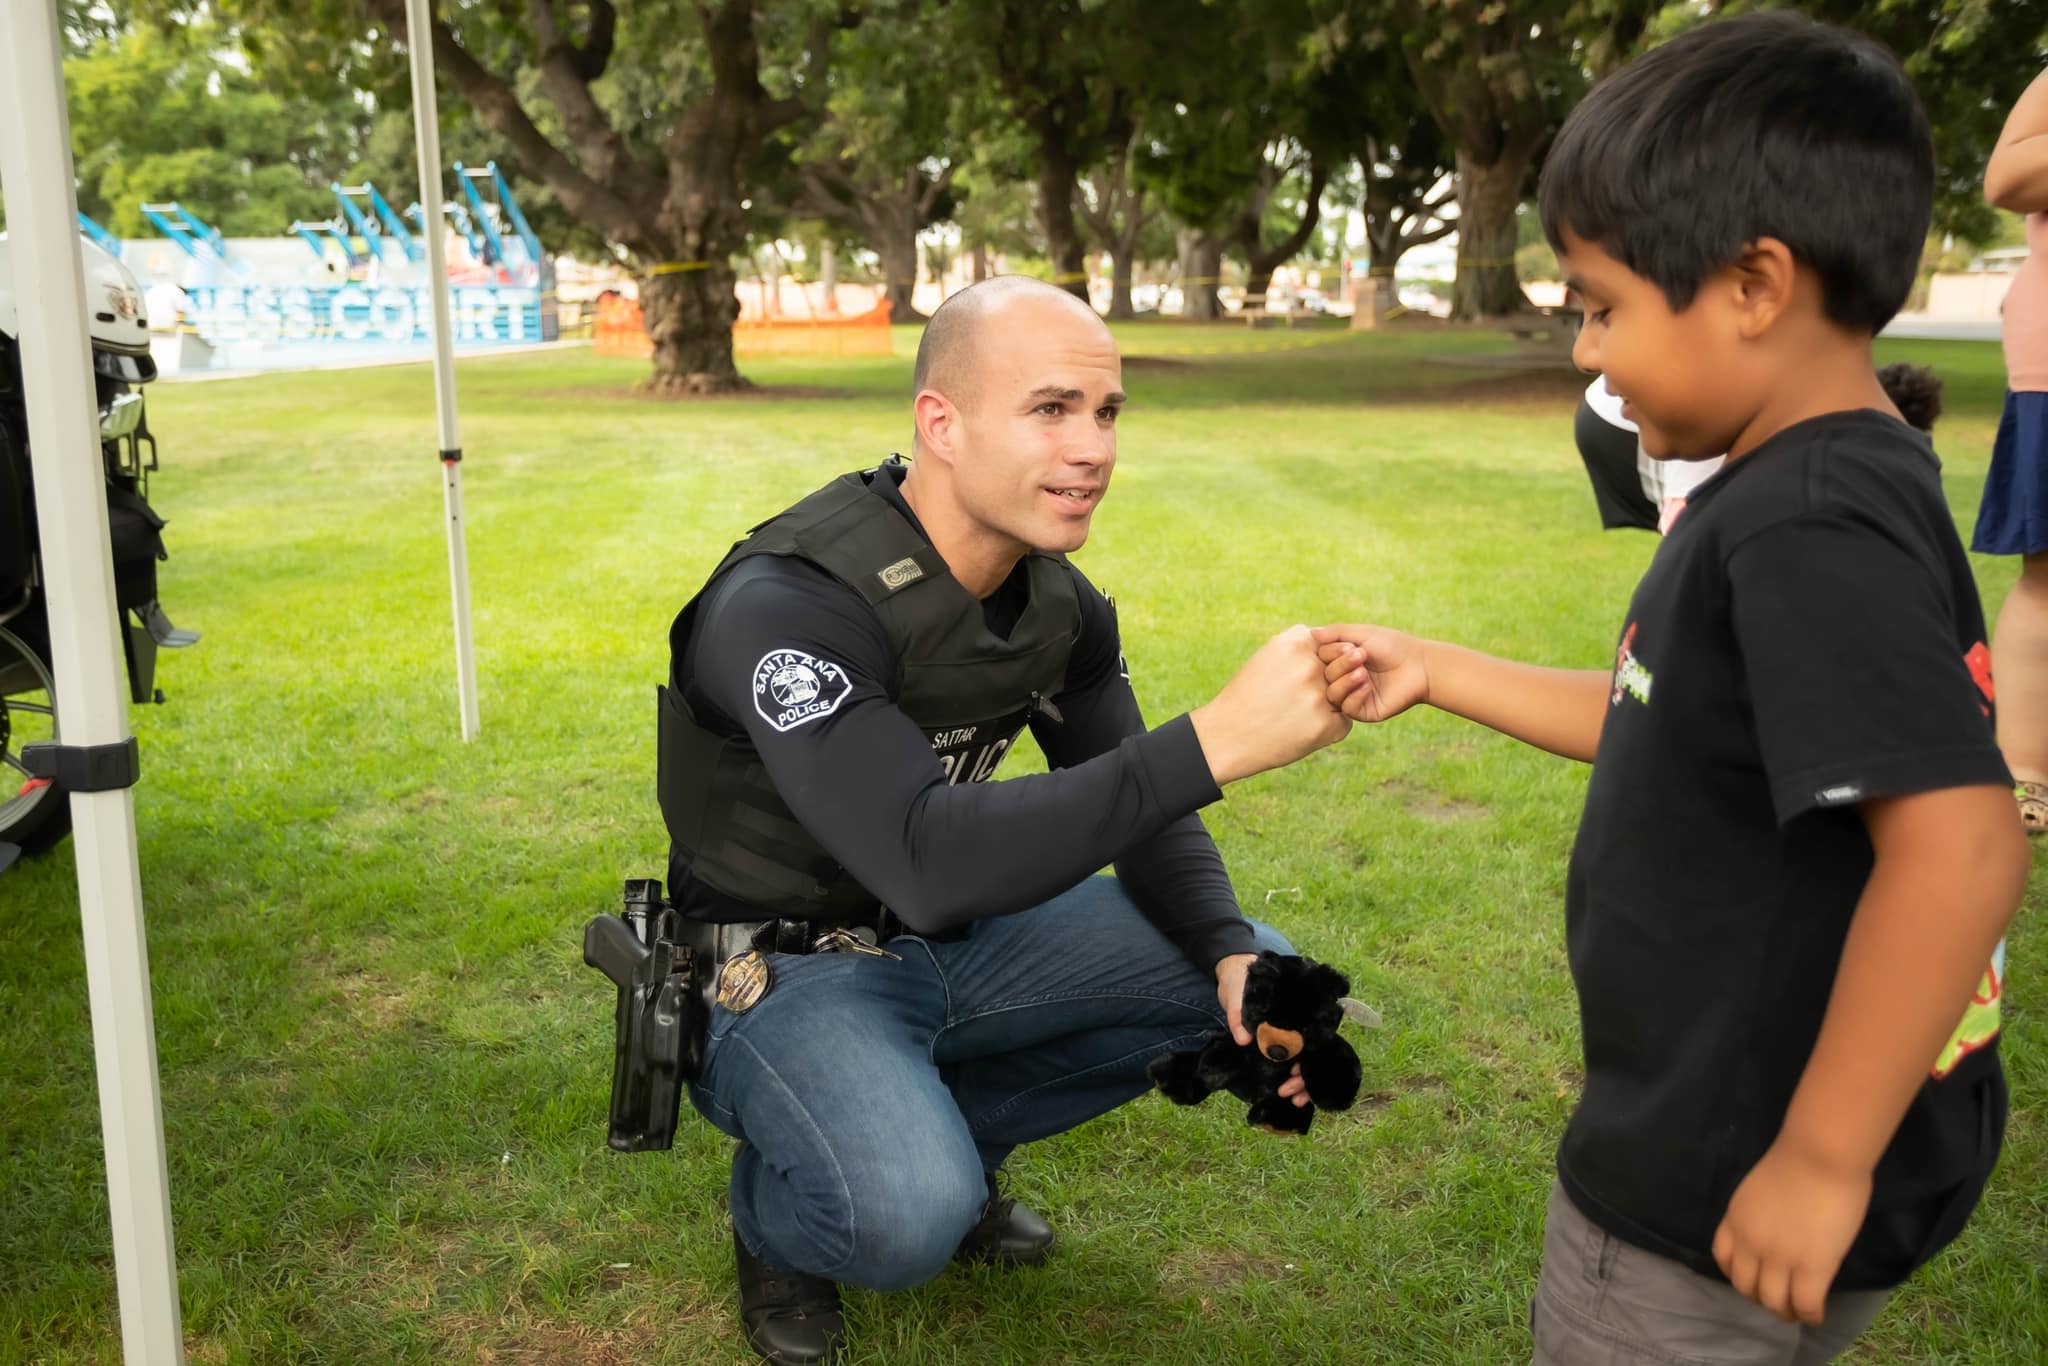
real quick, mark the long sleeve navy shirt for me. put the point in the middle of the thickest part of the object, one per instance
(864, 781)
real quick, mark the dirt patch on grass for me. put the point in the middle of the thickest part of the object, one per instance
(1444, 811)
(372, 998)
(1431, 806)
(544, 1342)
(374, 1001)
(1216, 1270)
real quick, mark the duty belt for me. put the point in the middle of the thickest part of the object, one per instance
(715, 943)
(666, 969)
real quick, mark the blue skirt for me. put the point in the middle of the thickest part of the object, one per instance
(2013, 518)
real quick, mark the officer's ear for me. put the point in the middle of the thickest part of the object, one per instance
(937, 424)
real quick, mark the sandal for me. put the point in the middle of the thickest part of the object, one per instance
(2033, 802)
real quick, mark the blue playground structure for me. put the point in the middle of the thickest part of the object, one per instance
(259, 304)
(100, 235)
(388, 228)
(194, 237)
(328, 229)
(459, 216)
(508, 208)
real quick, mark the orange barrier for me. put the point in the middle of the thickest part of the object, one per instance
(620, 332)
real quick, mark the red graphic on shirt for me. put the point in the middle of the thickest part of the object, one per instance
(1989, 988)
(1980, 1021)
(1979, 660)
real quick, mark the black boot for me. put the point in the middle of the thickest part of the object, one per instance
(789, 1317)
(1008, 1234)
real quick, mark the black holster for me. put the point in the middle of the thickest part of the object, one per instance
(665, 966)
(663, 980)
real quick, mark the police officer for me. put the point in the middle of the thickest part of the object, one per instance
(919, 972)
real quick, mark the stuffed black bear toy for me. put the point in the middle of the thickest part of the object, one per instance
(1292, 1006)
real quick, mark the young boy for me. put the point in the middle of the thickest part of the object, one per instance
(1799, 850)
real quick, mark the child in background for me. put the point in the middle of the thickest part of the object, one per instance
(2013, 518)
(1634, 489)
(1799, 850)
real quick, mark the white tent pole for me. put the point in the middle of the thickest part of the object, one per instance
(419, 42)
(91, 682)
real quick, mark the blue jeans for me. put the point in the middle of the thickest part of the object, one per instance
(874, 1093)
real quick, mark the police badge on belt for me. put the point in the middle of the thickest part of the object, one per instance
(743, 981)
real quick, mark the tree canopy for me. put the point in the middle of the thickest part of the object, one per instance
(675, 134)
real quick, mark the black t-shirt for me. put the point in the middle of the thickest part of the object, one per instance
(1807, 637)
(914, 819)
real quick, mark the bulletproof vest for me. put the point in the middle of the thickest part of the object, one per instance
(969, 690)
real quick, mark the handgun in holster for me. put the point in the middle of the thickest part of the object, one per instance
(658, 1030)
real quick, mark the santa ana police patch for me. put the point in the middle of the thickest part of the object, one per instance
(791, 688)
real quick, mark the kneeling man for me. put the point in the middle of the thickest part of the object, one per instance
(922, 971)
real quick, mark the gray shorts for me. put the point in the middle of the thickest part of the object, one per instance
(1604, 1302)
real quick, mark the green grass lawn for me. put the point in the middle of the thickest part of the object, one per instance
(385, 1067)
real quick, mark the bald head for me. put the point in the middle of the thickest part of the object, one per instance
(947, 352)
(1019, 388)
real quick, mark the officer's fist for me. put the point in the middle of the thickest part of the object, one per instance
(1274, 711)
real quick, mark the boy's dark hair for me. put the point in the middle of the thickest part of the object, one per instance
(1914, 390)
(1766, 125)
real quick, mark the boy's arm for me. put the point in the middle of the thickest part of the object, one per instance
(2016, 177)
(1950, 866)
(1376, 674)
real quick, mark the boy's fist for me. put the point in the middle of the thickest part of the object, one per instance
(1373, 674)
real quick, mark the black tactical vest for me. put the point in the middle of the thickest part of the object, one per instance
(968, 689)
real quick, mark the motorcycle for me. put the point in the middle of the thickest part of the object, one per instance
(34, 812)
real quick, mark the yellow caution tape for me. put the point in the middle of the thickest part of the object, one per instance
(677, 267)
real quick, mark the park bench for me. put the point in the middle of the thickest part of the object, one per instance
(1555, 326)
(1257, 308)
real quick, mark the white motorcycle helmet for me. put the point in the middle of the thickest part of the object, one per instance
(117, 319)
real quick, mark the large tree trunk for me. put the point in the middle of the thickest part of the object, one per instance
(689, 312)
(1263, 258)
(689, 317)
(1488, 192)
(897, 246)
(1383, 248)
(887, 213)
(1116, 214)
(1201, 276)
(680, 216)
(1056, 173)
(981, 271)
(1402, 210)
(1120, 305)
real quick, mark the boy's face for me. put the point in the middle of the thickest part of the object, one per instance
(1674, 372)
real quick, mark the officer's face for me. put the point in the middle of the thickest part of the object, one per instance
(1038, 437)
